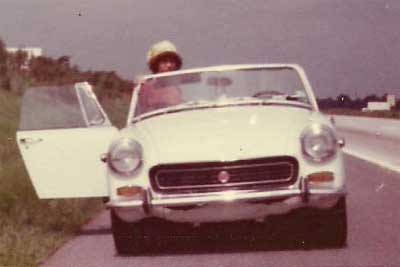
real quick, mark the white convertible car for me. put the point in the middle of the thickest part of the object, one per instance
(208, 145)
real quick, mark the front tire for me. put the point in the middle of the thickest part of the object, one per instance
(336, 221)
(128, 238)
(327, 228)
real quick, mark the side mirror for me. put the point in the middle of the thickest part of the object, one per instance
(103, 157)
(341, 142)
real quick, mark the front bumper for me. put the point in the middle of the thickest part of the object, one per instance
(226, 206)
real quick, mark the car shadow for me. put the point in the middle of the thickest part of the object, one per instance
(169, 238)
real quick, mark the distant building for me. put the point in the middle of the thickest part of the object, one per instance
(391, 99)
(30, 51)
(374, 106)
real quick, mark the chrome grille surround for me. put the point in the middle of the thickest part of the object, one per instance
(202, 177)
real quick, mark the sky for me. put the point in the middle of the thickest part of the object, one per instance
(345, 46)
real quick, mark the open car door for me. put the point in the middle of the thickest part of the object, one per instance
(63, 132)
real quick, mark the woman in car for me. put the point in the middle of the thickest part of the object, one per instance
(162, 57)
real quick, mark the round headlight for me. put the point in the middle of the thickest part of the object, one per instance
(125, 156)
(318, 142)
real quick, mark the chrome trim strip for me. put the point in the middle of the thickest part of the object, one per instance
(227, 196)
(126, 204)
(225, 168)
(86, 88)
(83, 111)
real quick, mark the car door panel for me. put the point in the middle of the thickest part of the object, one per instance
(61, 166)
(61, 141)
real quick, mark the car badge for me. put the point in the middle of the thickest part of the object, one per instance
(223, 177)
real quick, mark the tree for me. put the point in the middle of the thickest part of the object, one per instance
(3, 52)
(64, 60)
(327, 103)
(4, 83)
(397, 107)
(17, 73)
(371, 98)
(344, 101)
(358, 104)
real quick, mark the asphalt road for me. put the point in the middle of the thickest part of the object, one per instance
(376, 148)
(374, 236)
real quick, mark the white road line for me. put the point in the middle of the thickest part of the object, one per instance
(373, 160)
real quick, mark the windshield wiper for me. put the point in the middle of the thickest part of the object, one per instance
(194, 103)
(176, 108)
(282, 100)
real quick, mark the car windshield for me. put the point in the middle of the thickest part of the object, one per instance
(215, 88)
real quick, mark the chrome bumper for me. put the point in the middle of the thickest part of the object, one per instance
(227, 205)
(179, 200)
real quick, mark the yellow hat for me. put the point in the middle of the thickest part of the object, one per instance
(160, 50)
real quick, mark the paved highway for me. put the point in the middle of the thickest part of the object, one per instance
(378, 149)
(372, 139)
(374, 237)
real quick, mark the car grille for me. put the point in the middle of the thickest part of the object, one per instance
(219, 176)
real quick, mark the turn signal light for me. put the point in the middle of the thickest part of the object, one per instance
(130, 191)
(321, 177)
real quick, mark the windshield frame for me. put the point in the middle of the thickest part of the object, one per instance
(140, 81)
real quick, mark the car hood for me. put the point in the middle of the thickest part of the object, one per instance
(225, 134)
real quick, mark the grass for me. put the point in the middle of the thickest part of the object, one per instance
(390, 114)
(31, 229)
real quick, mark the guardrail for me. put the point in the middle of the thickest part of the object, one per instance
(377, 126)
